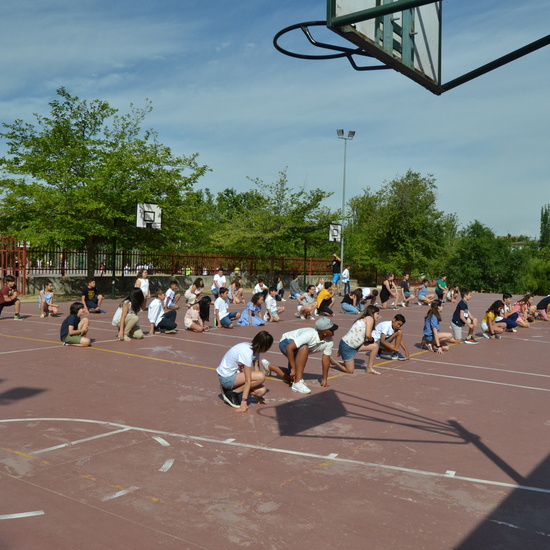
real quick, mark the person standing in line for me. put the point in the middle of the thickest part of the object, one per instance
(142, 283)
(336, 266)
(218, 282)
(345, 280)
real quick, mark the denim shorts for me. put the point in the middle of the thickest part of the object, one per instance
(227, 382)
(227, 320)
(346, 351)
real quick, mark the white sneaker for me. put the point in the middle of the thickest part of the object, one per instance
(265, 366)
(283, 300)
(300, 387)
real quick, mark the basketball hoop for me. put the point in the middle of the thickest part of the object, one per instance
(342, 50)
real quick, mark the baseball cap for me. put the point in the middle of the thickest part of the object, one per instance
(324, 323)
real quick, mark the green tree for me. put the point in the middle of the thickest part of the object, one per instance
(399, 227)
(75, 177)
(272, 220)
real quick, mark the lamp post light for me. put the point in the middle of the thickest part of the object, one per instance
(350, 136)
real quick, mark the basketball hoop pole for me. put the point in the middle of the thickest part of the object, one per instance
(508, 58)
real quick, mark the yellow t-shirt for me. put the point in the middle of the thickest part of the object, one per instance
(322, 295)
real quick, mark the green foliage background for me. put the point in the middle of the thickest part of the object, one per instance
(73, 179)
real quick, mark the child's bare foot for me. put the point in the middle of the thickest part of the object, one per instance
(262, 401)
(324, 384)
(372, 371)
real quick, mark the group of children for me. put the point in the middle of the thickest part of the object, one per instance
(242, 372)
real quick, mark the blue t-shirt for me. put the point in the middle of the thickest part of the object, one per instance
(71, 321)
(461, 306)
(430, 323)
(422, 291)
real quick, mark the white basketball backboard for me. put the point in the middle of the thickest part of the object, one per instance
(408, 40)
(148, 216)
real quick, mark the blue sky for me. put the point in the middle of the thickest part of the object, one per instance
(219, 88)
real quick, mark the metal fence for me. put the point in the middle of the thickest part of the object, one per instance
(67, 262)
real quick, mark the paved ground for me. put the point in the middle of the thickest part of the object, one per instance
(128, 445)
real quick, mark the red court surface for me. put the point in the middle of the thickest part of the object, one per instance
(129, 445)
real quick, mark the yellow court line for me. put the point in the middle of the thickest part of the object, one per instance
(179, 362)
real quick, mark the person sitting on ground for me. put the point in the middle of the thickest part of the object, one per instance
(91, 299)
(453, 295)
(296, 346)
(490, 326)
(325, 300)
(171, 299)
(422, 295)
(161, 318)
(320, 284)
(462, 317)
(261, 287)
(45, 301)
(9, 297)
(509, 316)
(224, 318)
(352, 301)
(307, 303)
(75, 327)
(236, 292)
(126, 316)
(194, 291)
(197, 316)
(251, 314)
(543, 309)
(407, 295)
(525, 309)
(389, 336)
(280, 297)
(441, 289)
(295, 291)
(272, 310)
(235, 372)
(432, 337)
(358, 339)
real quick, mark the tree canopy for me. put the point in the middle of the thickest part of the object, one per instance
(75, 176)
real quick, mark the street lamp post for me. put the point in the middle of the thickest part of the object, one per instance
(350, 136)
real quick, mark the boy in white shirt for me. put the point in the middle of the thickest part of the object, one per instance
(224, 318)
(171, 300)
(272, 311)
(219, 282)
(161, 320)
(389, 336)
(296, 346)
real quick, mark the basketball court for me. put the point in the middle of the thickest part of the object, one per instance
(129, 445)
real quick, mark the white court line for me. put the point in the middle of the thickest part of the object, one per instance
(468, 379)
(120, 494)
(483, 368)
(167, 465)
(163, 442)
(287, 452)
(23, 515)
(71, 443)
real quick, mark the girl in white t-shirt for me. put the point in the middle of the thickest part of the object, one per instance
(359, 338)
(237, 373)
(142, 282)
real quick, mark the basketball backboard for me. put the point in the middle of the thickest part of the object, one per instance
(408, 40)
(148, 216)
